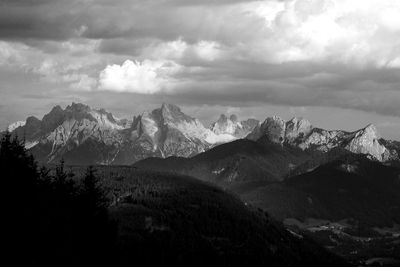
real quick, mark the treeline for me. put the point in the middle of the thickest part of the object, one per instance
(50, 217)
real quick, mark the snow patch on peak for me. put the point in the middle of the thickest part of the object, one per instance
(213, 138)
(15, 125)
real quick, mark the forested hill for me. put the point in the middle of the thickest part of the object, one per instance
(149, 219)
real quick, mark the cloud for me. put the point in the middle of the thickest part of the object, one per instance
(352, 32)
(146, 77)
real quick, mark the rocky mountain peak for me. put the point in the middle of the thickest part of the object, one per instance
(52, 119)
(170, 113)
(366, 141)
(170, 109)
(232, 126)
(299, 132)
(222, 119)
(297, 128)
(274, 129)
(233, 118)
(78, 108)
(370, 129)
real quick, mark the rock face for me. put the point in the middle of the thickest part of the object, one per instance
(297, 128)
(232, 126)
(164, 132)
(273, 128)
(299, 132)
(63, 134)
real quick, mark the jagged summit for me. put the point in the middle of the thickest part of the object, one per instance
(233, 118)
(170, 107)
(78, 107)
(233, 126)
(222, 118)
(172, 113)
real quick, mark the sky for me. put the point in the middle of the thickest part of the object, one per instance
(334, 62)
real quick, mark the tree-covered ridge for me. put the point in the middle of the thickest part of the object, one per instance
(52, 218)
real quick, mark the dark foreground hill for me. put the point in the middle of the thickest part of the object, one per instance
(175, 220)
(62, 217)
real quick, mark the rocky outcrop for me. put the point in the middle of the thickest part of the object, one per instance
(296, 129)
(232, 126)
(277, 130)
(366, 141)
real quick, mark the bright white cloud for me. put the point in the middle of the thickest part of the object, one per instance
(355, 32)
(146, 77)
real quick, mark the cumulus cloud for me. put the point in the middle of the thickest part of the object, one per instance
(353, 32)
(146, 77)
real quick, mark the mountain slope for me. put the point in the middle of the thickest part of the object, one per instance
(351, 187)
(236, 165)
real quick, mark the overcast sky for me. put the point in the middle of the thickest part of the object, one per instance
(335, 62)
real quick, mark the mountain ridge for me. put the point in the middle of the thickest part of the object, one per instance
(95, 136)
(300, 133)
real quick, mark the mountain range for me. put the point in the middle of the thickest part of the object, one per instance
(338, 187)
(82, 135)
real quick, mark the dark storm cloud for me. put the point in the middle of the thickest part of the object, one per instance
(43, 19)
(64, 19)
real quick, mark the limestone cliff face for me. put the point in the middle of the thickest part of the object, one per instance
(62, 131)
(366, 141)
(297, 128)
(273, 128)
(232, 126)
(279, 131)
(299, 132)
(168, 132)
